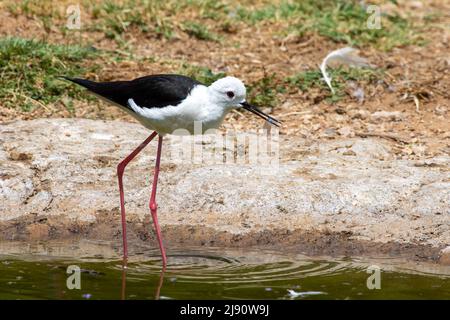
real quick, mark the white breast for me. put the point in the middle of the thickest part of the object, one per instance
(195, 109)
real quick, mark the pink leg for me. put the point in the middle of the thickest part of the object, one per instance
(120, 170)
(153, 205)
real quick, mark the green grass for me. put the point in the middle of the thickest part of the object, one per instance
(209, 9)
(115, 19)
(29, 71)
(269, 12)
(199, 31)
(307, 79)
(347, 23)
(263, 92)
(33, 8)
(340, 21)
(200, 73)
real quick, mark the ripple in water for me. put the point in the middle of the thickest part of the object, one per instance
(218, 274)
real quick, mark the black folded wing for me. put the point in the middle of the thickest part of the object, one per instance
(154, 91)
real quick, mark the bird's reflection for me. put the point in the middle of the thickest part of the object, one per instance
(124, 280)
(160, 283)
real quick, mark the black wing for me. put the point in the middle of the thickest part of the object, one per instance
(154, 91)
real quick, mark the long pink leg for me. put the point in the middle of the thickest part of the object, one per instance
(153, 205)
(120, 170)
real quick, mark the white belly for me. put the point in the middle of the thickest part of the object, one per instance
(173, 124)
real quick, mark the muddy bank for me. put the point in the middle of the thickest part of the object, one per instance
(347, 196)
(311, 243)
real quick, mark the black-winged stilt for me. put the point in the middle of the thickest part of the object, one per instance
(165, 103)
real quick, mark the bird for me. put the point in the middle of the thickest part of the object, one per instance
(165, 103)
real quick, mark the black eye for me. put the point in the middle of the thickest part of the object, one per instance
(230, 94)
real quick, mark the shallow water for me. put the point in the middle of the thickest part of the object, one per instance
(200, 273)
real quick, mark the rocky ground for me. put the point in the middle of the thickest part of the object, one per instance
(341, 196)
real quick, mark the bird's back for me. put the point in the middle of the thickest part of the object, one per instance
(154, 91)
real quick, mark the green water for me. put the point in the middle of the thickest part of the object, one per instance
(217, 274)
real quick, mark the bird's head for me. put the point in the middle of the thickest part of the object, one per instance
(230, 92)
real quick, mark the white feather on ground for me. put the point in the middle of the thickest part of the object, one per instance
(295, 294)
(347, 56)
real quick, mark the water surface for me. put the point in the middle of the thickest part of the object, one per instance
(200, 273)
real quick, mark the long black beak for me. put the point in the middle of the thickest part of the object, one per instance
(260, 114)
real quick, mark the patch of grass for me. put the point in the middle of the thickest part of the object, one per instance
(199, 31)
(29, 70)
(283, 10)
(249, 16)
(200, 73)
(117, 18)
(263, 92)
(346, 22)
(163, 29)
(307, 79)
(32, 8)
(341, 21)
(210, 9)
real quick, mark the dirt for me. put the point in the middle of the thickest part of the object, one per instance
(312, 243)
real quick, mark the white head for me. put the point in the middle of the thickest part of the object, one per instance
(229, 92)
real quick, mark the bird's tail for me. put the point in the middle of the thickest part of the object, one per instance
(110, 91)
(88, 84)
(102, 89)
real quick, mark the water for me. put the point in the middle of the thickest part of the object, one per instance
(200, 273)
